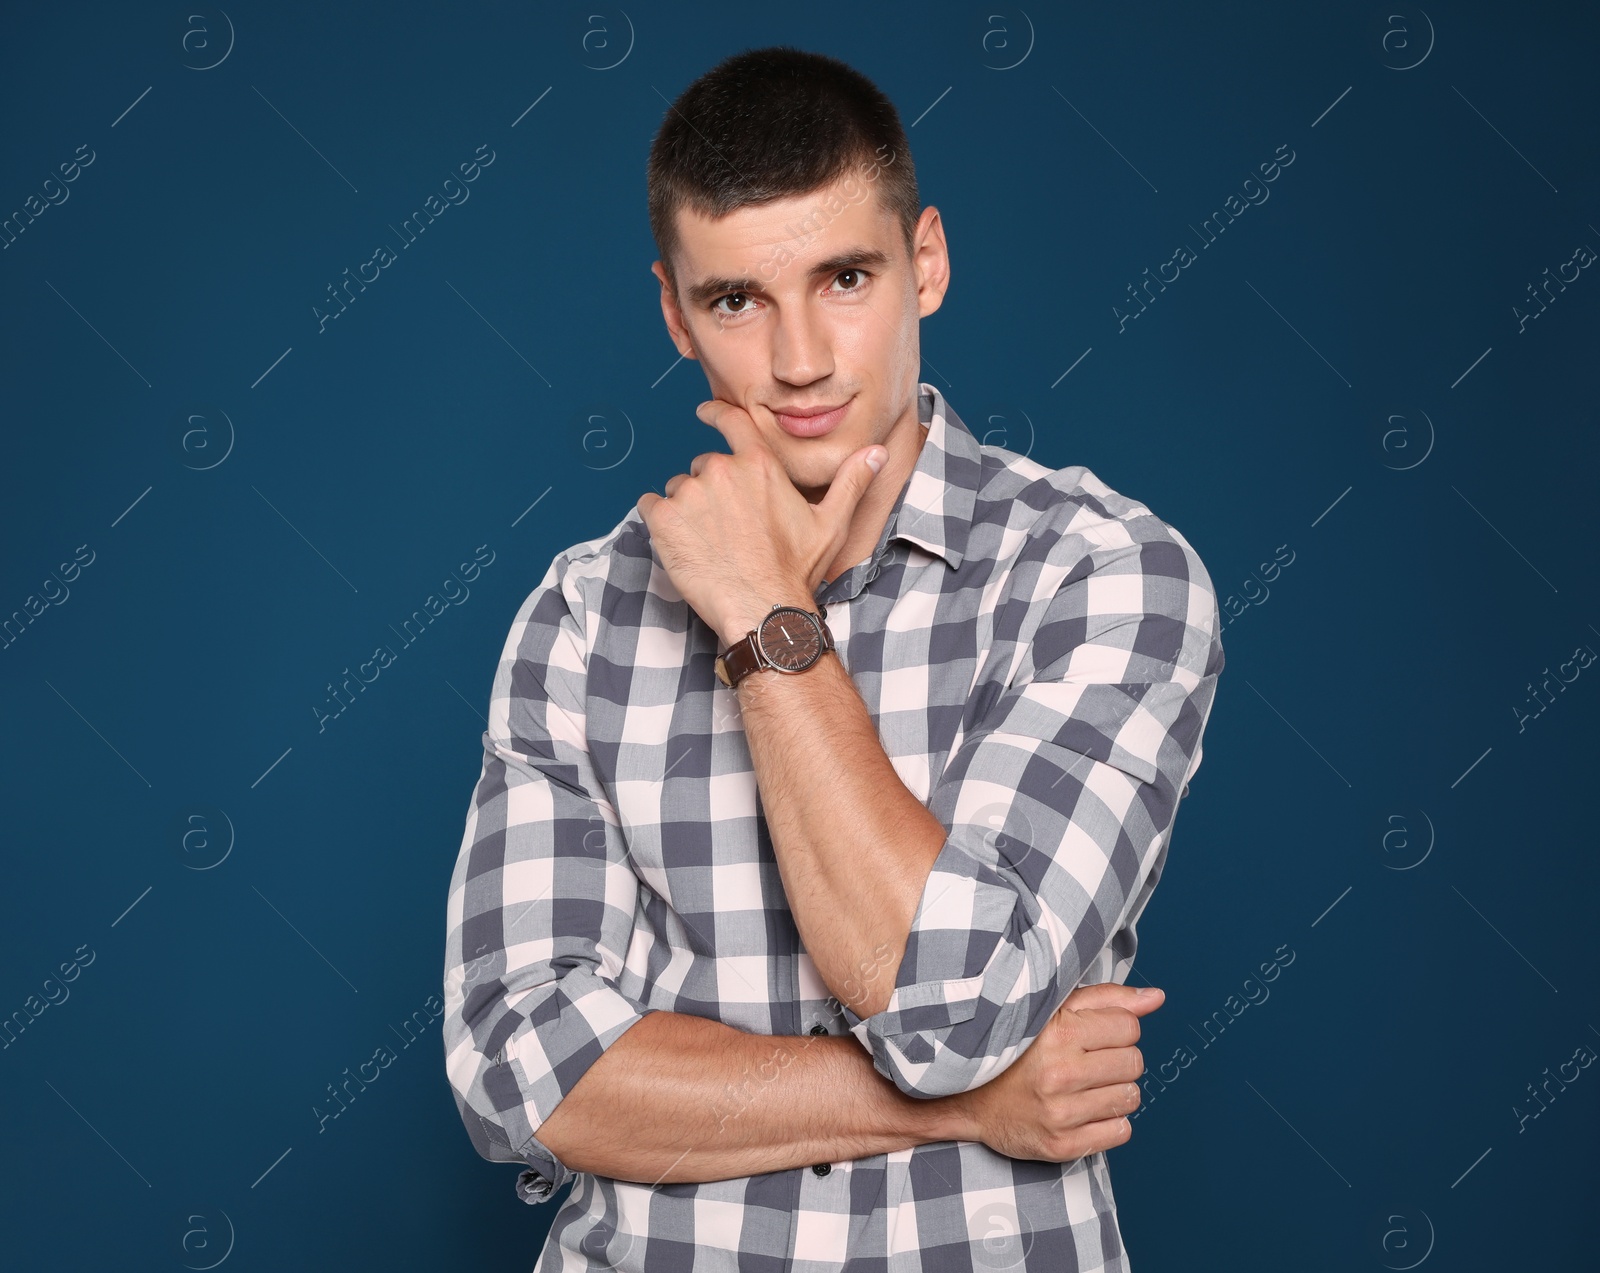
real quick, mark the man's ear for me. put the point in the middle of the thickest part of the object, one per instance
(676, 328)
(930, 261)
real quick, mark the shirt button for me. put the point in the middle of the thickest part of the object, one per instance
(819, 1028)
(823, 1168)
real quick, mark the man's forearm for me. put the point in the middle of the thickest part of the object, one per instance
(705, 1101)
(853, 844)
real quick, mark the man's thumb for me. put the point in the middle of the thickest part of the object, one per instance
(1109, 994)
(852, 480)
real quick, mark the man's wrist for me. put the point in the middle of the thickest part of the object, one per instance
(944, 1118)
(746, 615)
(914, 1120)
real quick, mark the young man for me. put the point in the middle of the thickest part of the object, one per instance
(821, 796)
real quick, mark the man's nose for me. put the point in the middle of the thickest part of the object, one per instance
(801, 350)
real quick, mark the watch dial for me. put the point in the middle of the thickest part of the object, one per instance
(790, 639)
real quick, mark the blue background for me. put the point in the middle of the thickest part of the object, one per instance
(1339, 379)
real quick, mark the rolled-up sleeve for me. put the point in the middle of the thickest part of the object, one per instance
(541, 902)
(1058, 803)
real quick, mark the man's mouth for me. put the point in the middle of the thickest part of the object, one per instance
(810, 421)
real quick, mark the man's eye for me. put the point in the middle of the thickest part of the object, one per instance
(742, 297)
(859, 277)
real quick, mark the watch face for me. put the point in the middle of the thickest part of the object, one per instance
(790, 640)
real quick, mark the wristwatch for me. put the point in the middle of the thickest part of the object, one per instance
(788, 639)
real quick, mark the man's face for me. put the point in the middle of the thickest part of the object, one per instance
(806, 303)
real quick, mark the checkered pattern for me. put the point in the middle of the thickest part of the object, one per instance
(1039, 655)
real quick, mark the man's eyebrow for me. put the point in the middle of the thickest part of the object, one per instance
(851, 258)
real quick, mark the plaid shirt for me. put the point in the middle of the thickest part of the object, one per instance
(1039, 655)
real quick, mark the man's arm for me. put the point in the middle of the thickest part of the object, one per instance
(709, 1102)
(1079, 763)
(542, 899)
(854, 845)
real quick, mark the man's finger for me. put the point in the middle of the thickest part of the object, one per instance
(733, 422)
(1109, 1027)
(1091, 1138)
(1108, 1067)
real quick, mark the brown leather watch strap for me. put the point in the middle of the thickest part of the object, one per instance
(742, 658)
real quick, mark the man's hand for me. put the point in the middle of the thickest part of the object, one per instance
(736, 536)
(1069, 1094)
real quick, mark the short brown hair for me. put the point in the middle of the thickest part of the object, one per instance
(769, 124)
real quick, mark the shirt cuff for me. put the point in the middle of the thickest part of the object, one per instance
(561, 1038)
(535, 1184)
(968, 930)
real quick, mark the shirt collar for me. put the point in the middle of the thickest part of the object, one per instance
(936, 506)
